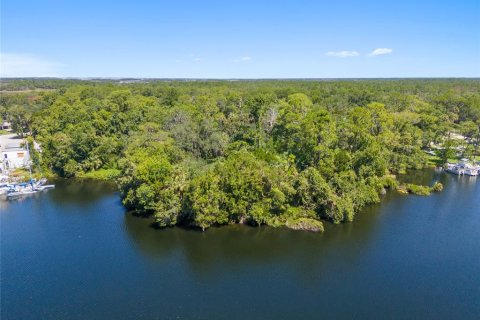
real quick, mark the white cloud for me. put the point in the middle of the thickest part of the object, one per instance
(27, 65)
(243, 59)
(380, 51)
(197, 59)
(342, 54)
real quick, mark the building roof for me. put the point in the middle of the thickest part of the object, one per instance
(10, 142)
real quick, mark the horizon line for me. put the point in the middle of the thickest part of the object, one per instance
(234, 79)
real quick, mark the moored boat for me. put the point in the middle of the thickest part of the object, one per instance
(16, 190)
(463, 167)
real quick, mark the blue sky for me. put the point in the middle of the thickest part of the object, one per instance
(240, 39)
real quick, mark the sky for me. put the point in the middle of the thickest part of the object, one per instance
(240, 39)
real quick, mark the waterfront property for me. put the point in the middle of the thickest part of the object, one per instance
(13, 153)
(463, 168)
(75, 253)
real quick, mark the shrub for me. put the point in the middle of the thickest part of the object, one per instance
(437, 187)
(306, 224)
(418, 190)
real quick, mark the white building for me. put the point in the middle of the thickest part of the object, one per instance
(12, 154)
(5, 125)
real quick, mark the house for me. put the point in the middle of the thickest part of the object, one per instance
(12, 153)
(5, 125)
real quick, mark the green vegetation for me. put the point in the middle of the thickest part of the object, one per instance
(278, 153)
(101, 174)
(437, 187)
(420, 190)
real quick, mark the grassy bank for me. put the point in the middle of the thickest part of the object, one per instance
(101, 174)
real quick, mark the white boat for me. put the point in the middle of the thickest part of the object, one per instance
(13, 191)
(27, 188)
(18, 194)
(453, 168)
(472, 171)
(3, 190)
(46, 187)
(463, 168)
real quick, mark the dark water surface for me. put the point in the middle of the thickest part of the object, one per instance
(74, 253)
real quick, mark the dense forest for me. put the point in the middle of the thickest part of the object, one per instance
(278, 153)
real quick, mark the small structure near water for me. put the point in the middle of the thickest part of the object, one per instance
(13, 154)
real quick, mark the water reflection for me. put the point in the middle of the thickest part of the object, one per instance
(72, 193)
(235, 247)
(6, 204)
(423, 177)
(80, 192)
(238, 246)
(74, 249)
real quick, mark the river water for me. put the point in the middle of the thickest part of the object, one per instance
(74, 253)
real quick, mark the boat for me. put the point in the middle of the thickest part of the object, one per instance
(472, 171)
(18, 194)
(4, 187)
(40, 185)
(14, 191)
(46, 187)
(463, 167)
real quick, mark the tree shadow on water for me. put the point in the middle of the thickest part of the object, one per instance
(237, 248)
(80, 192)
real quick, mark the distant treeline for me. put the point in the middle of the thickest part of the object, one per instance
(203, 153)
